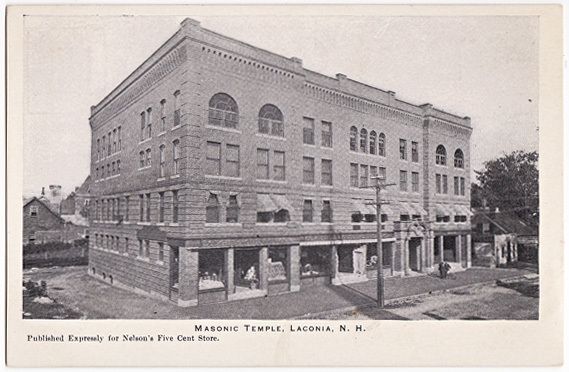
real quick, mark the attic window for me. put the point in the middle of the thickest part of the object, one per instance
(34, 211)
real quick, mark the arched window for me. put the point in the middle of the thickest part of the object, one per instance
(354, 139)
(441, 157)
(372, 142)
(271, 120)
(381, 145)
(223, 111)
(363, 140)
(458, 159)
(212, 209)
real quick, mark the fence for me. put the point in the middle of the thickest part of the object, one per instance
(56, 254)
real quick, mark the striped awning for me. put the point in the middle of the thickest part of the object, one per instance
(282, 202)
(413, 209)
(265, 203)
(442, 210)
(462, 210)
(360, 206)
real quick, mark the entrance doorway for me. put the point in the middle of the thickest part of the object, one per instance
(174, 272)
(415, 254)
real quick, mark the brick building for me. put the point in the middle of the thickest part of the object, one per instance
(224, 171)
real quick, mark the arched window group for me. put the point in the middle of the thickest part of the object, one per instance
(458, 158)
(359, 141)
(441, 155)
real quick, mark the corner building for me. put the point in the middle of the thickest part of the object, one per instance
(224, 171)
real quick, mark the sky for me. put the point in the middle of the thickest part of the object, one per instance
(482, 67)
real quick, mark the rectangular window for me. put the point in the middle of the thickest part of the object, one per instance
(326, 213)
(262, 164)
(213, 159)
(161, 251)
(120, 139)
(415, 152)
(462, 186)
(98, 149)
(118, 167)
(326, 134)
(163, 115)
(126, 206)
(114, 141)
(140, 248)
(147, 250)
(162, 161)
(382, 173)
(113, 171)
(278, 166)
(176, 155)
(308, 170)
(445, 184)
(177, 115)
(456, 186)
(119, 214)
(103, 147)
(372, 174)
(232, 210)
(142, 159)
(308, 131)
(354, 175)
(109, 145)
(34, 211)
(232, 161)
(307, 211)
(363, 175)
(438, 183)
(142, 124)
(415, 181)
(212, 209)
(148, 157)
(149, 123)
(326, 172)
(403, 180)
(403, 149)
(175, 206)
(161, 206)
(147, 208)
(126, 245)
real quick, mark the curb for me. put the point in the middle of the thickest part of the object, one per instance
(406, 298)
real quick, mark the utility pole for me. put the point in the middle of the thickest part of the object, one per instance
(380, 281)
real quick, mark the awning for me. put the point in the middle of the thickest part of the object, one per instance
(370, 207)
(281, 203)
(265, 203)
(417, 209)
(386, 209)
(442, 210)
(462, 210)
(359, 206)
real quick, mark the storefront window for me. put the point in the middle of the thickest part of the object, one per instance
(278, 258)
(246, 263)
(211, 270)
(315, 261)
(371, 256)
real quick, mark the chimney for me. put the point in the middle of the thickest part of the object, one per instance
(43, 191)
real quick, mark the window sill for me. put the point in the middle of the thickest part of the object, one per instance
(327, 148)
(174, 224)
(145, 140)
(223, 129)
(223, 177)
(175, 176)
(327, 223)
(176, 127)
(327, 186)
(161, 134)
(271, 223)
(272, 181)
(269, 136)
(161, 179)
(145, 167)
(161, 224)
(144, 223)
(308, 185)
(144, 259)
(309, 144)
(223, 224)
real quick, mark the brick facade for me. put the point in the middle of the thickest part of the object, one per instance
(174, 88)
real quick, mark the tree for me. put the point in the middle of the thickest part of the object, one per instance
(511, 183)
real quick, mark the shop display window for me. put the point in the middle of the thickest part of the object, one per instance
(211, 272)
(246, 263)
(315, 261)
(371, 256)
(278, 260)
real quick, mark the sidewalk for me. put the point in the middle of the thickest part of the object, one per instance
(96, 300)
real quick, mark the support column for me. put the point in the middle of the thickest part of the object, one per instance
(441, 247)
(458, 248)
(263, 269)
(468, 250)
(392, 253)
(406, 257)
(431, 251)
(422, 256)
(229, 271)
(188, 277)
(334, 264)
(294, 268)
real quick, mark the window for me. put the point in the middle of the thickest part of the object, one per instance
(177, 115)
(223, 111)
(363, 140)
(326, 172)
(308, 170)
(307, 211)
(163, 115)
(97, 210)
(232, 210)
(162, 161)
(232, 160)
(119, 215)
(118, 167)
(271, 121)
(326, 134)
(148, 157)
(97, 173)
(403, 180)
(459, 218)
(108, 170)
(148, 208)
(33, 211)
(326, 213)
(404, 218)
(147, 250)
(315, 261)
(382, 173)
(109, 146)
(104, 146)
(126, 245)
(113, 171)
(372, 142)
(441, 155)
(161, 207)
(114, 141)
(354, 139)
(415, 181)
(120, 139)
(262, 164)
(212, 209)
(176, 156)
(308, 131)
(161, 251)
(213, 159)
(438, 182)
(278, 264)
(458, 159)
(456, 186)
(142, 125)
(363, 175)
(126, 206)
(403, 149)
(279, 166)
(140, 248)
(98, 149)
(142, 160)
(175, 206)
(354, 175)
(381, 145)
(445, 184)
(372, 174)
(462, 186)
(415, 152)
